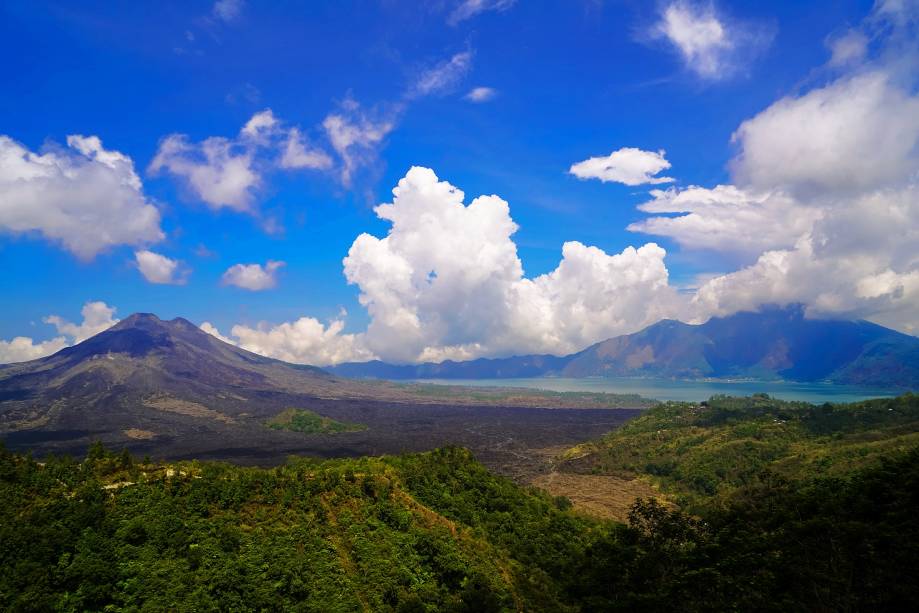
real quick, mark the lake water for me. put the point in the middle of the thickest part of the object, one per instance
(669, 389)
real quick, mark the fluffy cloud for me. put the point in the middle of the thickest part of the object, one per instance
(628, 165)
(727, 218)
(710, 46)
(446, 282)
(97, 316)
(699, 36)
(158, 268)
(254, 277)
(304, 341)
(858, 133)
(466, 9)
(848, 152)
(859, 260)
(213, 331)
(260, 126)
(355, 136)
(23, 349)
(84, 197)
(593, 296)
(481, 94)
(299, 154)
(228, 172)
(217, 170)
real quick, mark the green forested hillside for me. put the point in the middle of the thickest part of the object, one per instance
(421, 532)
(439, 532)
(697, 451)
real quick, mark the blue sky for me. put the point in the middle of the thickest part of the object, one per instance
(566, 81)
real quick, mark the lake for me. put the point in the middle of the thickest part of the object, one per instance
(669, 389)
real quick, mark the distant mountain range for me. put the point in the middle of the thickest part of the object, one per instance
(775, 343)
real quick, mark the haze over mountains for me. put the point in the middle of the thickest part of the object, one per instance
(775, 343)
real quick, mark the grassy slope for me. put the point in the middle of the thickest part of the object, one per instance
(696, 451)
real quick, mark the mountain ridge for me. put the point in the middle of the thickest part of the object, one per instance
(773, 343)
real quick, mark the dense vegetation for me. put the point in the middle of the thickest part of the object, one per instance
(308, 422)
(697, 451)
(438, 532)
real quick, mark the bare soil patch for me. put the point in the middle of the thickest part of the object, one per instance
(602, 496)
(139, 435)
(184, 407)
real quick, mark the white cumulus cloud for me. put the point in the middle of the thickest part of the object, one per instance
(229, 172)
(844, 157)
(727, 218)
(84, 197)
(23, 349)
(217, 170)
(710, 45)
(628, 165)
(213, 331)
(300, 154)
(304, 341)
(254, 277)
(97, 317)
(447, 282)
(355, 136)
(857, 133)
(157, 268)
(260, 126)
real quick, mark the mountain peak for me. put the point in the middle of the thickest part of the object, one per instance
(142, 334)
(137, 320)
(149, 321)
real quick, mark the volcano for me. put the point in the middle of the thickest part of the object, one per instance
(144, 366)
(172, 390)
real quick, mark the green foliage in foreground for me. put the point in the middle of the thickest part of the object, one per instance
(308, 422)
(343, 535)
(697, 451)
(436, 532)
